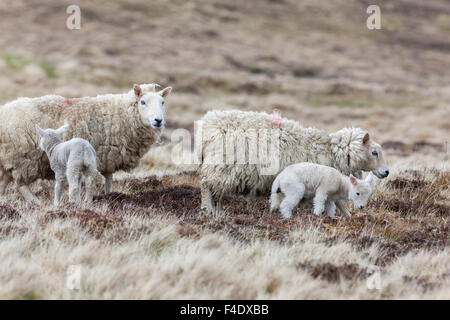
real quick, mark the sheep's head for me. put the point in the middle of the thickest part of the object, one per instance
(151, 104)
(359, 191)
(375, 158)
(50, 137)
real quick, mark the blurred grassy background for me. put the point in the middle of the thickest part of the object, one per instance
(314, 60)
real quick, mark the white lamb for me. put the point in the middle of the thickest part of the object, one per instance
(349, 150)
(325, 184)
(120, 127)
(71, 161)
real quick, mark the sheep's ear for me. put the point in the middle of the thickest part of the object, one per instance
(165, 92)
(369, 177)
(366, 138)
(353, 180)
(137, 90)
(63, 129)
(39, 130)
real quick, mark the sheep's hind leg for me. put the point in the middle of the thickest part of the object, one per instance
(59, 187)
(293, 194)
(73, 177)
(108, 182)
(28, 195)
(90, 184)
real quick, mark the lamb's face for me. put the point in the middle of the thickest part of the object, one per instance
(375, 158)
(50, 137)
(359, 191)
(152, 106)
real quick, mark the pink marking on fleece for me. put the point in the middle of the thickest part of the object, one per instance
(276, 118)
(68, 100)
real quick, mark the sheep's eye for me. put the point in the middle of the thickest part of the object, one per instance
(142, 102)
(375, 153)
(163, 103)
(357, 193)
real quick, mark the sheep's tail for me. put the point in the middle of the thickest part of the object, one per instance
(275, 196)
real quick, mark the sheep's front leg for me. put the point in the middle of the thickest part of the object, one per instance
(5, 180)
(319, 202)
(108, 182)
(59, 186)
(206, 199)
(216, 202)
(341, 206)
(331, 208)
(28, 195)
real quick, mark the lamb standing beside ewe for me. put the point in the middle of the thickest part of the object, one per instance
(325, 184)
(349, 150)
(71, 161)
(120, 127)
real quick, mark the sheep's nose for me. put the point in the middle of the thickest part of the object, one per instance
(361, 207)
(158, 121)
(386, 173)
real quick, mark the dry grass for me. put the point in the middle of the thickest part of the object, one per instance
(148, 239)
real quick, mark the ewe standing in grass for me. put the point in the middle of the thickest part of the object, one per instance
(350, 150)
(71, 161)
(120, 127)
(325, 184)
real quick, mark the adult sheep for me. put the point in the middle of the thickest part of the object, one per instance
(349, 150)
(121, 128)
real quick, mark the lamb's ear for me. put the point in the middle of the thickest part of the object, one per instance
(137, 91)
(353, 180)
(366, 138)
(39, 130)
(369, 177)
(63, 129)
(165, 92)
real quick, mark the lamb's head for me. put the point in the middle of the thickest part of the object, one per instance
(50, 137)
(375, 158)
(359, 191)
(151, 104)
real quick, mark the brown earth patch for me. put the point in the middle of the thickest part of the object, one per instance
(334, 273)
(96, 223)
(8, 212)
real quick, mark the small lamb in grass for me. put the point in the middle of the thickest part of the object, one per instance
(70, 161)
(325, 184)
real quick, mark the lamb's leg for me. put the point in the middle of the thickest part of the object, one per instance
(59, 187)
(206, 199)
(108, 182)
(330, 208)
(341, 206)
(90, 178)
(73, 177)
(293, 194)
(89, 185)
(28, 195)
(319, 202)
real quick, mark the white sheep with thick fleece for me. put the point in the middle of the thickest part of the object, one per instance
(325, 184)
(120, 127)
(349, 150)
